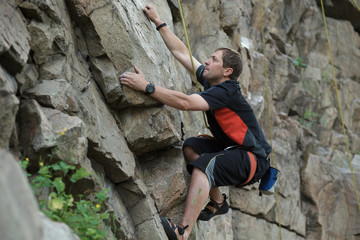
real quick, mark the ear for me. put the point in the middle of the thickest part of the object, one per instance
(227, 72)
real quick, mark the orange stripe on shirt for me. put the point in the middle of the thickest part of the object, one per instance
(232, 125)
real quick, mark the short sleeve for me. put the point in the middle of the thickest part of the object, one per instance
(200, 78)
(216, 96)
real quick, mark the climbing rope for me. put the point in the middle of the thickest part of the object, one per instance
(191, 58)
(268, 111)
(338, 100)
(356, 5)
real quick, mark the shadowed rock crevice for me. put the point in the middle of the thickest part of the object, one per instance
(343, 10)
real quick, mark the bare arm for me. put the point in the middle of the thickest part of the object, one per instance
(168, 97)
(173, 43)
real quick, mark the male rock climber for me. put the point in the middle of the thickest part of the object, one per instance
(237, 154)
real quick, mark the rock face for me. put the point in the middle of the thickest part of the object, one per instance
(59, 66)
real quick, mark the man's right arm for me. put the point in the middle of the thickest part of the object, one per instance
(173, 43)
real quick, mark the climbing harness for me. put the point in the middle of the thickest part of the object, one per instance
(268, 112)
(191, 59)
(338, 100)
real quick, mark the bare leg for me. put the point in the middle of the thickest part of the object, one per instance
(216, 195)
(196, 198)
(190, 156)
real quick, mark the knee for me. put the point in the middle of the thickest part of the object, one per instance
(198, 172)
(189, 154)
(200, 177)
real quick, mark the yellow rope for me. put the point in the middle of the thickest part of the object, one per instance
(338, 99)
(268, 112)
(191, 59)
(356, 5)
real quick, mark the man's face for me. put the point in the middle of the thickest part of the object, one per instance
(214, 67)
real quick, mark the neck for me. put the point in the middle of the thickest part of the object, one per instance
(215, 82)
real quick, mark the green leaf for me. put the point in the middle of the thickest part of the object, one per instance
(57, 203)
(56, 167)
(52, 215)
(62, 166)
(24, 164)
(41, 182)
(101, 196)
(59, 184)
(297, 61)
(82, 207)
(303, 65)
(44, 171)
(104, 215)
(66, 167)
(79, 174)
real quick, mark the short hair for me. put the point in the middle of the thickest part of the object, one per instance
(232, 59)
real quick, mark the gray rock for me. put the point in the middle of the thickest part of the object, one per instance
(14, 38)
(150, 129)
(19, 217)
(142, 209)
(42, 38)
(56, 230)
(27, 78)
(171, 190)
(9, 105)
(124, 226)
(328, 206)
(247, 226)
(57, 94)
(36, 133)
(71, 141)
(345, 10)
(106, 143)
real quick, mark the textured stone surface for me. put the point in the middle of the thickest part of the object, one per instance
(246, 227)
(36, 133)
(108, 148)
(70, 132)
(159, 127)
(19, 210)
(57, 94)
(317, 189)
(171, 190)
(56, 230)
(9, 106)
(14, 38)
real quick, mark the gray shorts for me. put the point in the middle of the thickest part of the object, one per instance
(223, 168)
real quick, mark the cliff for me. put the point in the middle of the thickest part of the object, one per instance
(60, 63)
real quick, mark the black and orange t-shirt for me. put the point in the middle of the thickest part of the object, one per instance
(231, 119)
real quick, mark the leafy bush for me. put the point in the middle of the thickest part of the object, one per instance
(83, 216)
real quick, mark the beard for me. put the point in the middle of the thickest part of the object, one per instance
(208, 77)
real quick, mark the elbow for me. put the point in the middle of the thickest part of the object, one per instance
(184, 106)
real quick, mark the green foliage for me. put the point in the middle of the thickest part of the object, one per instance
(83, 216)
(308, 119)
(326, 75)
(298, 62)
